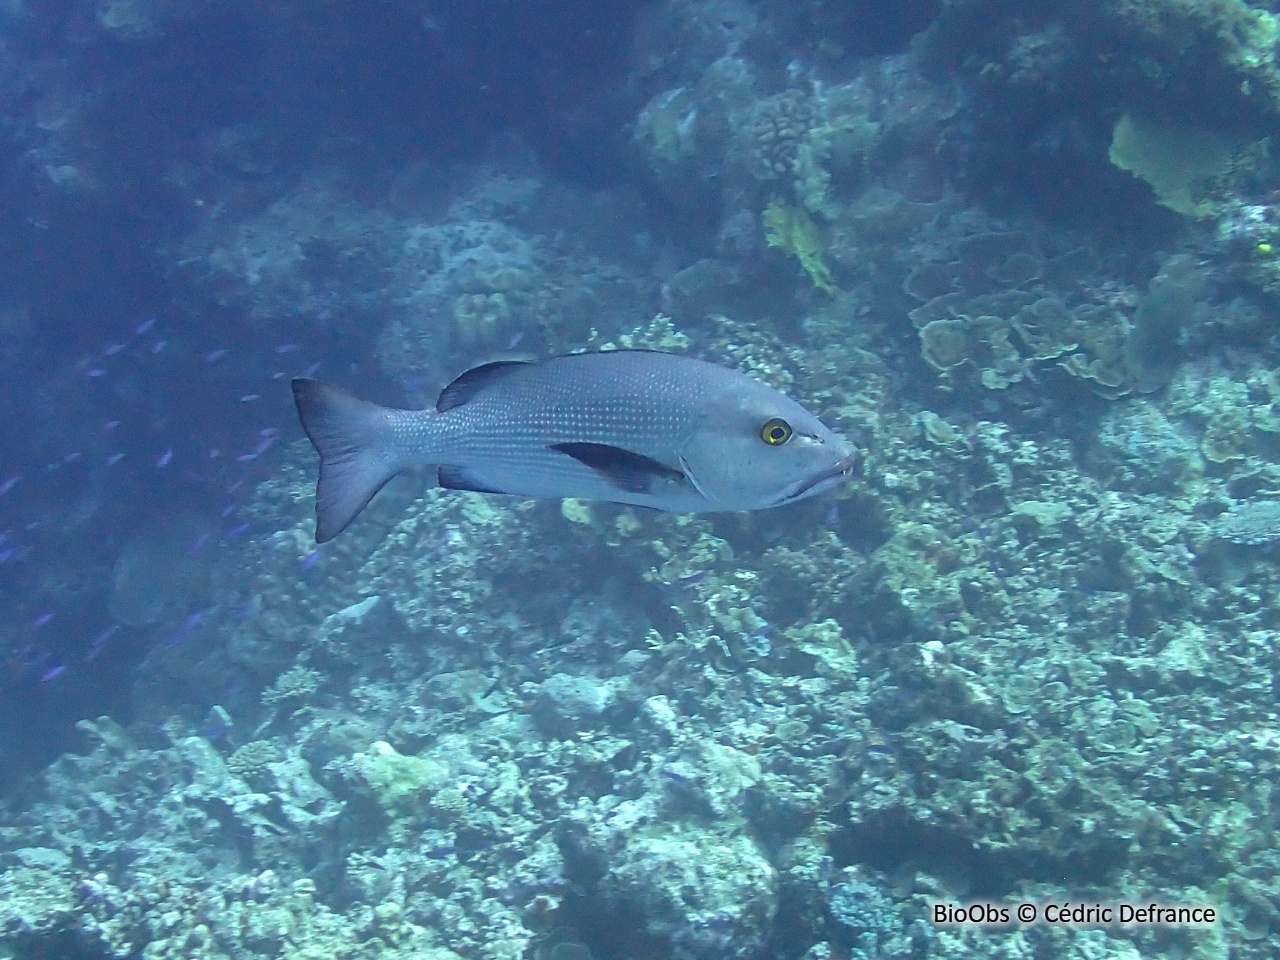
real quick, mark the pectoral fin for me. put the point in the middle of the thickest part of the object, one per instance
(623, 469)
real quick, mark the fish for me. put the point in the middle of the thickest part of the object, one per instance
(638, 427)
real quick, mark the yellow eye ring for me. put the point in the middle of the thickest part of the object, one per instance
(776, 431)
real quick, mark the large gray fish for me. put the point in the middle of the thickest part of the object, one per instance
(630, 426)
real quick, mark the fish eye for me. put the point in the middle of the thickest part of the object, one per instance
(776, 431)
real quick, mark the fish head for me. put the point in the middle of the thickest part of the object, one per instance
(758, 448)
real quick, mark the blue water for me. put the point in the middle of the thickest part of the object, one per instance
(1026, 256)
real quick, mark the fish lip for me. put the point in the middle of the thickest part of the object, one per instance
(840, 470)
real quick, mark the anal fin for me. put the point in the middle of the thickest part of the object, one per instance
(460, 478)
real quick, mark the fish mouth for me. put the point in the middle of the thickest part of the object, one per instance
(838, 472)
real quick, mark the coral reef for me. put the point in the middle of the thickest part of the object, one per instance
(1028, 653)
(733, 734)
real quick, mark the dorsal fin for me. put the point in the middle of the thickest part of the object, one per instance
(467, 385)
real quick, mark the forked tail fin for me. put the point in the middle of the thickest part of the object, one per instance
(357, 454)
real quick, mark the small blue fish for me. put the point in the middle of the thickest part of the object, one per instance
(188, 626)
(103, 635)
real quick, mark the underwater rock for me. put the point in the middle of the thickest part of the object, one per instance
(1142, 445)
(397, 782)
(566, 704)
(1153, 351)
(866, 920)
(712, 897)
(35, 902)
(1252, 522)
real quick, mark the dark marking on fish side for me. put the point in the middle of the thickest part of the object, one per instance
(460, 478)
(476, 380)
(632, 472)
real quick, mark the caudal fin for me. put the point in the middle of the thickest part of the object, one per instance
(353, 438)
